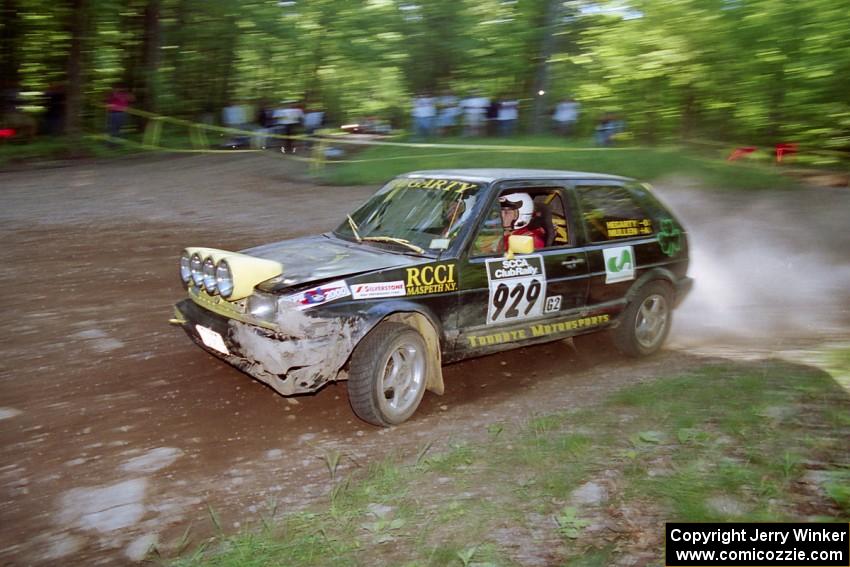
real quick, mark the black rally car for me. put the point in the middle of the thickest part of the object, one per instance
(419, 276)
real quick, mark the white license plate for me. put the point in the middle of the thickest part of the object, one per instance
(212, 339)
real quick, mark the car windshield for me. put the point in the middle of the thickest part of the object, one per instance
(420, 215)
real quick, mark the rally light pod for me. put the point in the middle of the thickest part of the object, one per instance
(234, 275)
(243, 272)
(192, 264)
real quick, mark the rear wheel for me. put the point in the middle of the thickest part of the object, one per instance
(646, 321)
(387, 377)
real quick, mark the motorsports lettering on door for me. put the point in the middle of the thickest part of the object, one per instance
(626, 228)
(433, 278)
(441, 184)
(517, 288)
(538, 330)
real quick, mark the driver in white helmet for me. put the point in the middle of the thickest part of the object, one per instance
(517, 212)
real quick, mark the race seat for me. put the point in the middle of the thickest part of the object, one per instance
(543, 219)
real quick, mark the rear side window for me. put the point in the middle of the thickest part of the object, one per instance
(612, 212)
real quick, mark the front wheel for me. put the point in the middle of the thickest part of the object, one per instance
(646, 321)
(387, 377)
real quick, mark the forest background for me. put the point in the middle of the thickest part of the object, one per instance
(752, 71)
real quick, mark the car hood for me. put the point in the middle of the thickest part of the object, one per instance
(322, 258)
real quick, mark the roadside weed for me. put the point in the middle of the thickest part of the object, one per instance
(726, 442)
(331, 459)
(838, 488)
(569, 523)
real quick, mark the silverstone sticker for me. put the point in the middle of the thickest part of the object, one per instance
(619, 264)
(319, 295)
(378, 289)
(517, 288)
(553, 304)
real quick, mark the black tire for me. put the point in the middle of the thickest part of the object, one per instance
(377, 363)
(646, 322)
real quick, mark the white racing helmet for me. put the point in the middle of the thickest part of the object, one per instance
(521, 202)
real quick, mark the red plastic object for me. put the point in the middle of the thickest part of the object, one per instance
(7, 132)
(785, 149)
(738, 153)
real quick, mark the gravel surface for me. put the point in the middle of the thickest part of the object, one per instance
(117, 433)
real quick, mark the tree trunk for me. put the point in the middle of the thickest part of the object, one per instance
(541, 79)
(10, 41)
(77, 26)
(689, 113)
(776, 99)
(148, 90)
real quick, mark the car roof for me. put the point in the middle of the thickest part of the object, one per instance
(488, 175)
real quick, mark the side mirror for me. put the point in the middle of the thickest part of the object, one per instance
(520, 244)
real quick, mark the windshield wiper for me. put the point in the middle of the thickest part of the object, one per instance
(401, 241)
(353, 226)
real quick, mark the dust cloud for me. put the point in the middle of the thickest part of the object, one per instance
(768, 265)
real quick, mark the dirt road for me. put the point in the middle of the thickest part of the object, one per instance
(117, 433)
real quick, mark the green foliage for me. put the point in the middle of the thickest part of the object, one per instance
(569, 522)
(838, 488)
(378, 164)
(756, 72)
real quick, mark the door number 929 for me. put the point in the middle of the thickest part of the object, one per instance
(518, 299)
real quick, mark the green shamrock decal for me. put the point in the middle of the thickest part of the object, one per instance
(670, 238)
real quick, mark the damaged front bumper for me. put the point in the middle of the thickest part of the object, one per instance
(299, 360)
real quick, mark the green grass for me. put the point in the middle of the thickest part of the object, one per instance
(383, 162)
(57, 148)
(725, 442)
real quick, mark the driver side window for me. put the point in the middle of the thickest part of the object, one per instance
(546, 223)
(490, 239)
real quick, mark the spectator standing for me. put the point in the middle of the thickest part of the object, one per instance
(288, 118)
(234, 116)
(265, 122)
(507, 117)
(474, 114)
(313, 120)
(566, 116)
(492, 116)
(608, 126)
(424, 116)
(117, 103)
(447, 114)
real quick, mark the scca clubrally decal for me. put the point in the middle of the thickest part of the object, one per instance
(517, 288)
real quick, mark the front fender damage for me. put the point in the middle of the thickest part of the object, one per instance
(302, 355)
